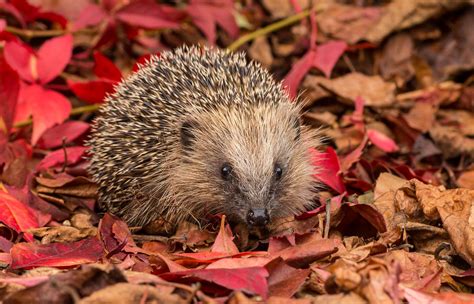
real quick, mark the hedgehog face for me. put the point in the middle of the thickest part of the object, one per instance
(251, 164)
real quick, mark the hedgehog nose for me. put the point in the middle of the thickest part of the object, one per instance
(257, 217)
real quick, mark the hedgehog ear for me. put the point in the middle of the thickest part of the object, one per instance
(187, 133)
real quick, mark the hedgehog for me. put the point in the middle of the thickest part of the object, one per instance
(197, 132)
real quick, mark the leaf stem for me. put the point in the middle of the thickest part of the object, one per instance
(26, 33)
(268, 29)
(75, 111)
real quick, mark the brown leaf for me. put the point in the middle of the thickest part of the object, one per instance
(451, 141)
(342, 298)
(373, 89)
(453, 54)
(456, 208)
(304, 254)
(131, 293)
(282, 8)
(466, 179)
(64, 287)
(347, 22)
(396, 61)
(421, 117)
(402, 14)
(261, 51)
(63, 234)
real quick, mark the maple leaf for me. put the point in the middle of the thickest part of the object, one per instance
(48, 62)
(250, 279)
(207, 14)
(56, 254)
(68, 132)
(136, 14)
(24, 12)
(46, 106)
(74, 155)
(94, 91)
(323, 57)
(329, 169)
(17, 215)
(9, 88)
(149, 14)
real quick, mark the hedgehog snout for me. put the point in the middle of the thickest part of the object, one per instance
(258, 217)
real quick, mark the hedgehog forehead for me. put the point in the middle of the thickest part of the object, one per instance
(255, 137)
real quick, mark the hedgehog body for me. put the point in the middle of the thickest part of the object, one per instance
(197, 132)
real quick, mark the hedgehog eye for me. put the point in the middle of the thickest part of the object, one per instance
(226, 170)
(278, 171)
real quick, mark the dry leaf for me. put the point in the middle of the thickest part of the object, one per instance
(375, 91)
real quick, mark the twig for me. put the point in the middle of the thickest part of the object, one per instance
(327, 225)
(75, 111)
(268, 29)
(26, 33)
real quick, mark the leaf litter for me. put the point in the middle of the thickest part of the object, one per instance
(388, 82)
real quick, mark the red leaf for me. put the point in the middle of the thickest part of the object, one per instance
(353, 156)
(74, 155)
(69, 131)
(251, 279)
(92, 91)
(28, 11)
(370, 214)
(357, 117)
(115, 235)
(297, 73)
(148, 14)
(285, 281)
(207, 257)
(223, 242)
(206, 14)
(17, 215)
(9, 88)
(92, 14)
(47, 108)
(234, 263)
(382, 141)
(104, 68)
(56, 254)
(9, 8)
(327, 55)
(304, 254)
(5, 245)
(53, 56)
(19, 57)
(53, 17)
(328, 167)
(3, 24)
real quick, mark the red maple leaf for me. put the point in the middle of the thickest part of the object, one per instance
(323, 57)
(24, 12)
(56, 254)
(94, 91)
(17, 215)
(36, 69)
(136, 14)
(206, 14)
(328, 169)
